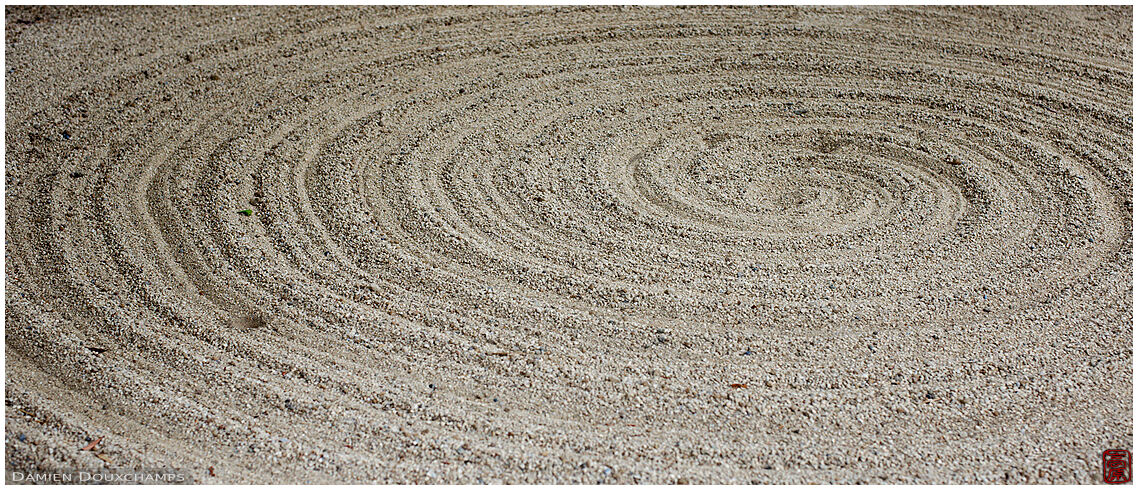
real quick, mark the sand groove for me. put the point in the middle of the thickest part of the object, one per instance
(570, 244)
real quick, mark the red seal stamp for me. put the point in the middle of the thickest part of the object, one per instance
(1116, 466)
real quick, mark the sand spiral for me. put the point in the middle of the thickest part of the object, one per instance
(570, 244)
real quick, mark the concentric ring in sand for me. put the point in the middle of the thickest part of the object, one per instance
(570, 245)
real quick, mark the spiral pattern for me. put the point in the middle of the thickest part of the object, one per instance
(582, 244)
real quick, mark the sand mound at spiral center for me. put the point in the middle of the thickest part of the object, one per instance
(570, 244)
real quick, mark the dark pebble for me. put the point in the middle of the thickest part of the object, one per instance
(76, 175)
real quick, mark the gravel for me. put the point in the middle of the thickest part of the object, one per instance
(550, 276)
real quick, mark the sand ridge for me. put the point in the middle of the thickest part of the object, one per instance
(572, 245)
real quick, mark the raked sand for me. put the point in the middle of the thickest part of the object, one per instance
(654, 245)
